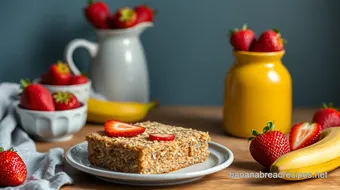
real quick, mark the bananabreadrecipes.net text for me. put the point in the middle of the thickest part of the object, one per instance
(276, 175)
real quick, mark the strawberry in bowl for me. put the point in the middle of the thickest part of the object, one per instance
(59, 78)
(50, 116)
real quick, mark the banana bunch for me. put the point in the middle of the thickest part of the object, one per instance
(320, 157)
(100, 111)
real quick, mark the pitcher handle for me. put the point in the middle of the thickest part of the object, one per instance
(72, 46)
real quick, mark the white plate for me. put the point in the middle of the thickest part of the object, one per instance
(220, 158)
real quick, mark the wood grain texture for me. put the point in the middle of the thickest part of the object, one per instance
(206, 119)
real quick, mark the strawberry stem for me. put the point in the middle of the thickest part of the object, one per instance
(244, 27)
(62, 97)
(11, 149)
(126, 14)
(62, 67)
(24, 83)
(276, 30)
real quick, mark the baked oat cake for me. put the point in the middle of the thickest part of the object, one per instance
(139, 154)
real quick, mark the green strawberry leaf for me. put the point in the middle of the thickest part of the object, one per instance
(90, 2)
(24, 83)
(329, 105)
(62, 97)
(271, 125)
(1, 149)
(84, 74)
(268, 127)
(254, 133)
(11, 149)
(265, 129)
(232, 31)
(276, 30)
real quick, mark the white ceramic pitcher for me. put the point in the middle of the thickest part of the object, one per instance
(118, 69)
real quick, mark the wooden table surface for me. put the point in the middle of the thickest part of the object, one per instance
(206, 119)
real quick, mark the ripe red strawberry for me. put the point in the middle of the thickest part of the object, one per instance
(59, 74)
(97, 13)
(304, 134)
(242, 39)
(45, 79)
(13, 171)
(112, 21)
(65, 101)
(265, 148)
(78, 79)
(161, 137)
(144, 13)
(327, 116)
(119, 129)
(269, 41)
(35, 97)
(125, 18)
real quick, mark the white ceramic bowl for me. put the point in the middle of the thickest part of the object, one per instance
(81, 91)
(52, 126)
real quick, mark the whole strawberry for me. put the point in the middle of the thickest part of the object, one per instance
(45, 79)
(97, 13)
(269, 41)
(327, 116)
(144, 13)
(59, 74)
(65, 101)
(242, 39)
(125, 17)
(265, 148)
(13, 171)
(35, 97)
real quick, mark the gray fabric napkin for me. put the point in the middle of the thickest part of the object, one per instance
(44, 169)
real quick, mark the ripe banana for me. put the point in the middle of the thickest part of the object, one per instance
(320, 157)
(100, 111)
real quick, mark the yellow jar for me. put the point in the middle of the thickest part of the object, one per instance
(258, 89)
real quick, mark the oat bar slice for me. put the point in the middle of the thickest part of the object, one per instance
(140, 155)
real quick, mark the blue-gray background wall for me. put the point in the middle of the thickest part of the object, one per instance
(188, 50)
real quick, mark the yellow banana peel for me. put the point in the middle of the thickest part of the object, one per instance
(100, 111)
(312, 161)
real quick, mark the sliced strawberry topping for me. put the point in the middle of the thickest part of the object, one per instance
(119, 129)
(304, 134)
(161, 137)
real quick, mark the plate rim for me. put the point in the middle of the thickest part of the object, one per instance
(134, 176)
